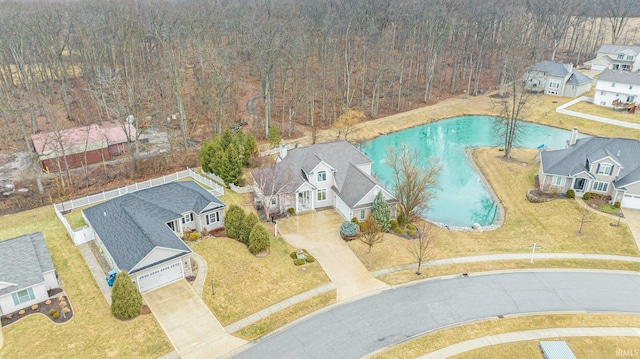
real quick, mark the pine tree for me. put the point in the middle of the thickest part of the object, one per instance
(126, 300)
(233, 221)
(248, 223)
(258, 239)
(381, 212)
(232, 166)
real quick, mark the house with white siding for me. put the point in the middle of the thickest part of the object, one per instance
(617, 88)
(616, 57)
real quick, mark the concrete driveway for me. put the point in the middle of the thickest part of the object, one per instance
(319, 233)
(633, 219)
(188, 322)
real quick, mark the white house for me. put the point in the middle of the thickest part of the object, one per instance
(554, 78)
(26, 272)
(140, 231)
(332, 174)
(616, 57)
(617, 87)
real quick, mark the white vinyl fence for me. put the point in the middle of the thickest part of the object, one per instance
(563, 110)
(81, 235)
(234, 188)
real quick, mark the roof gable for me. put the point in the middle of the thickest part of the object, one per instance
(23, 261)
(133, 225)
(619, 76)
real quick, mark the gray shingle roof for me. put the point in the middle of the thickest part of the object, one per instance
(23, 260)
(132, 225)
(614, 49)
(573, 160)
(551, 68)
(578, 78)
(619, 76)
(351, 183)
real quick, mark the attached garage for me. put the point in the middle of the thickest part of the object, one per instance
(630, 201)
(160, 276)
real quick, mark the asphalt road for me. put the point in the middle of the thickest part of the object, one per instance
(358, 328)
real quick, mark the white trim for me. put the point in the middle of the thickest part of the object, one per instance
(133, 269)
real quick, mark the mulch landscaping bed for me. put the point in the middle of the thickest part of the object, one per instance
(58, 304)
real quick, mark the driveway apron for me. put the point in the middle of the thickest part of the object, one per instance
(633, 219)
(188, 322)
(319, 233)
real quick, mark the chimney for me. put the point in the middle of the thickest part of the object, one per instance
(618, 153)
(283, 150)
(574, 136)
(569, 67)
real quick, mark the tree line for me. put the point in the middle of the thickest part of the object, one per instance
(186, 65)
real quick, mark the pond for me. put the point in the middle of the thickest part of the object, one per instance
(462, 198)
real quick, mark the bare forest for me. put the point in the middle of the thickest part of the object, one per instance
(191, 69)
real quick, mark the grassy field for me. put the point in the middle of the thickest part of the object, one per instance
(477, 267)
(93, 332)
(443, 338)
(245, 284)
(286, 315)
(582, 347)
(552, 225)
(591, 109)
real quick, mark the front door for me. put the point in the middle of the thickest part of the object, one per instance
(304, 200)
(579, 184)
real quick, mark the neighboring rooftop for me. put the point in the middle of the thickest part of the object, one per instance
(614, 49)
(573, 160)
(23, 260)
(625, 77)
(552, 68)
(132, 225)
(105, 133)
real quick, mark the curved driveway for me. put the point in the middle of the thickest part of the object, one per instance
(358, 328)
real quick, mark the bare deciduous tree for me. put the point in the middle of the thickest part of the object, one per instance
(272, 184)
(371, 233)
(420, 247)
(413, 181)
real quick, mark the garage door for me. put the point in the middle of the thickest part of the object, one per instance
(160, 277)
(631, 201)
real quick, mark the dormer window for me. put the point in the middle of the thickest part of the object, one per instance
(620, 56)
(187, 218)
(322, 176)
(605, 169)
(613, 84)
(630, 57)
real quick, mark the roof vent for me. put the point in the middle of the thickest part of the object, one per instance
(104, 214)
(618, 153)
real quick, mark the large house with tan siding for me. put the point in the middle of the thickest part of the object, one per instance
(600, 165)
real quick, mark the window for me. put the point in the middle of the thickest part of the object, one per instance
(613, 84)
(620, 56)
(213, 217)
(629, 57)
(554, 84)
(187, 218)
(362, 214)
(604, 169)
(630, 87)
(322, 176)
(322, 194)
(23, 296)
(558, 181)
(602, 93)
(171, 225)
(630, 98)
(274, 200)
(600, 186)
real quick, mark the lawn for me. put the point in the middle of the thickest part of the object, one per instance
(552, 225)
(93, 332)
(74, 218)
(591, 109)
(443, 338)
(582, 347)
(477, 267)
(245, 284)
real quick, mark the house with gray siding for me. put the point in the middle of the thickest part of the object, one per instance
(26, 272)
(324, 175)
(140, 232)
(605, 166)
(554, 78)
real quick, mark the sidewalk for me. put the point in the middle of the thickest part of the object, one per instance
(198, 284)
(96, 271)
(482, 342)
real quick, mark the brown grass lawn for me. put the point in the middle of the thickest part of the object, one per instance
(477, 267)
(552, 225)
(93, 332)
(591, 109)
(440, 339)
(245, 284)
(582, 347)
(286, 315)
